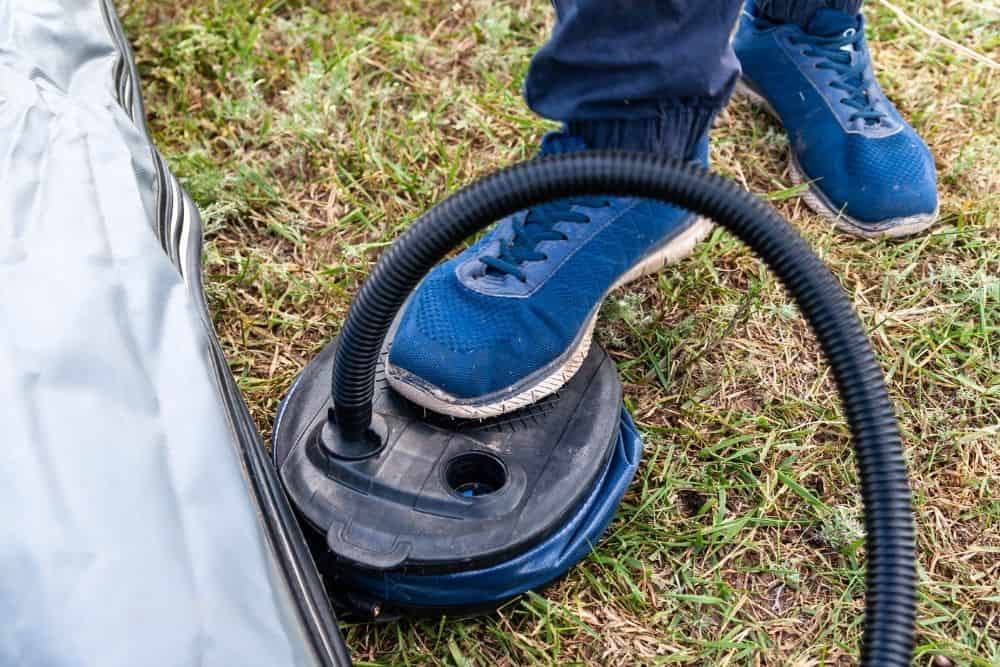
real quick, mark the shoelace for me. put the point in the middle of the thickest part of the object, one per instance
(538, 226)
(852, 77)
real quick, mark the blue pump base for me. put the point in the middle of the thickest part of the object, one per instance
(392, 594)
(456, 516)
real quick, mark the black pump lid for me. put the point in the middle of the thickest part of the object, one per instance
(447, 494)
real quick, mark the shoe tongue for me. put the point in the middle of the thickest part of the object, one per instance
(555, 143)
(827, 22)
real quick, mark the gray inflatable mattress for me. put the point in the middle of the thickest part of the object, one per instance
(141, 523)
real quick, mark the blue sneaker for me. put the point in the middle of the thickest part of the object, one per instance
(509, 321)
(868, 171)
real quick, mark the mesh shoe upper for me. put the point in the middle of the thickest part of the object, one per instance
(472, 330)
(846, 136)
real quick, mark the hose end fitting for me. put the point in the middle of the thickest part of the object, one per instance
(354, 440)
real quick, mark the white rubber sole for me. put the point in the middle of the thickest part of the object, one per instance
(819, 204)
(561, 370)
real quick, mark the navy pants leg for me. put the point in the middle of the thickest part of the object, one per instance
(800, 11)
(645, 74)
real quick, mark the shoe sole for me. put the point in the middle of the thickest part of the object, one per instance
(550, 379)
(818, 202)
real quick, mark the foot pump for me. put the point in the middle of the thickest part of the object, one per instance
(411, 512)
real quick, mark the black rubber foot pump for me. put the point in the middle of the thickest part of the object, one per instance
(422, 513)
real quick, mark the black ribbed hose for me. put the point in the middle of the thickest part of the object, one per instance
(890, 598)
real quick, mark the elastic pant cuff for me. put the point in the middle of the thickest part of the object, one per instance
(800, 11)
(675, 132)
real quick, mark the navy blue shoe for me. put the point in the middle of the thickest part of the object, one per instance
(868, 171)
(510, 320)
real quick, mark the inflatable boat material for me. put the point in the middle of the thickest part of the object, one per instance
(142, 523)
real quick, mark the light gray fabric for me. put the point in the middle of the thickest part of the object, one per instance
(128, 534)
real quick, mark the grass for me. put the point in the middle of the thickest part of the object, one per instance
(310, 135)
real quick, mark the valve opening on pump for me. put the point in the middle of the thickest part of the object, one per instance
(475, 474)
